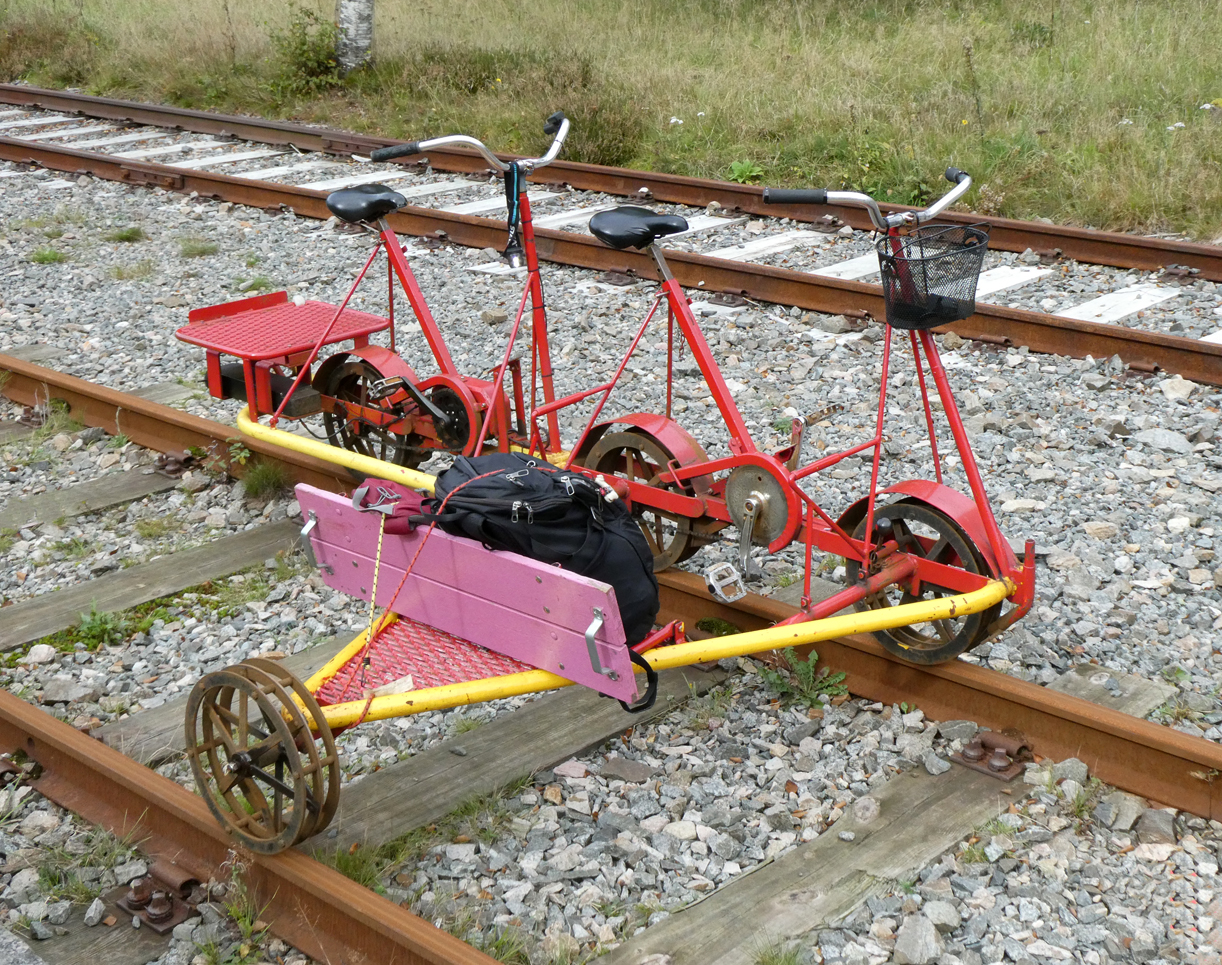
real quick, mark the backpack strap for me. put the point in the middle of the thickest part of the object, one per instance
(651, 686)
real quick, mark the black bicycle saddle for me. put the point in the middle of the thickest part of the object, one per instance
(631, 227)
(365, 202)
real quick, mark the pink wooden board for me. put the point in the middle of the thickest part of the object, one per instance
(512, 604)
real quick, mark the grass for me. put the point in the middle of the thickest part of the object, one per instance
(483, 818)
(137, 272)
(59, 866)
(48, 256)
(56, 418)
(7, 538)
(259, 283)
(157, 527)
(196, 247)
(879, 97)
(265, 479)
(777, 952)
(73, 549)
(801, 682)
(97, 629)
(715, 704)
(134, 233)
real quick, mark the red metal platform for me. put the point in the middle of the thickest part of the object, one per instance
(270, 326)
(432, 657)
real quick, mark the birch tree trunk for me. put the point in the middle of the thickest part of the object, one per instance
(355, 21)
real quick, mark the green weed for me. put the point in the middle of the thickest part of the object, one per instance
(803, 683)
(242, 906)
(715, 704)
(366, 866)
(134, 233)
(973, 854)
(717, 627)
(745, 172)
(306, 53)
(56, 418)
(117, 442)
(196, 247)
(265, 479)
(59, 866)
(137, 272)
(73, 549)
(464, 725)
(777, 952)
(101, 629)
(48, 256)
(259, 283)
(7, 538)
(157, 527)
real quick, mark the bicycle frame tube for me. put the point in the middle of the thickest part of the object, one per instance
(541, 348)
(432, 334)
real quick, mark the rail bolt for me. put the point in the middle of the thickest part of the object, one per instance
(160, 908)
(999, 761)
(140, 892)
(974, 751)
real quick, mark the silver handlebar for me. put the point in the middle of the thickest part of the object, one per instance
(526, 164)
(883, 222)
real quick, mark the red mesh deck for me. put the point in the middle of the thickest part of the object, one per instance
(432, 657)
(277, 330)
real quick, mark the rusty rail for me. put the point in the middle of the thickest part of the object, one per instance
(1133, 754)
(311, 906)
(1081, 244)
(158, 427)
(1146, 351)
(1136, 755)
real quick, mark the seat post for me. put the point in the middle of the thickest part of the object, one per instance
(659, 259)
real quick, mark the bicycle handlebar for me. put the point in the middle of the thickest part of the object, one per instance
(960, 179)
(557, 125)
(795, 196)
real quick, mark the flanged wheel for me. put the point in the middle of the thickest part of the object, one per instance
(351, 382)
(639, 457)
(929, 534)
(255, 758)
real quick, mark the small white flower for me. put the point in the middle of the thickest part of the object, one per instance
(1123, 121)
(676, 120)
(1175, 125)
(1207, 107)
(701, 113)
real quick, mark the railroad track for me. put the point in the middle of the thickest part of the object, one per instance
(322, 913)
(325, 915)
(1127, 316)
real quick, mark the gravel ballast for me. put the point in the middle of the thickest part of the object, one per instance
(1116, 475)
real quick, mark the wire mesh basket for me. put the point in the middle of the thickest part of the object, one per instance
(929, 275)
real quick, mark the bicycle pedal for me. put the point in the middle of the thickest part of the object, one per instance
(725, 583)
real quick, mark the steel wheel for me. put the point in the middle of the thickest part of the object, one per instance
(638, 457)
(932, 535)
(326, 760)
(351, 382)
(254, 757)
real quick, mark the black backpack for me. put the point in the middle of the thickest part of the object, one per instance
(527, 506)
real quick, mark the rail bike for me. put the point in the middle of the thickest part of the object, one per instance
(928, 570)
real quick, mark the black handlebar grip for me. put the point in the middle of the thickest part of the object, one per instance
(795, 196)
(398, 150)
(552, 124)
(954, 175)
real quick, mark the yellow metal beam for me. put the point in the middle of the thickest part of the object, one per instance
(341, 457)
(664, 658)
